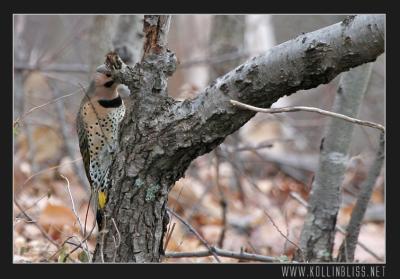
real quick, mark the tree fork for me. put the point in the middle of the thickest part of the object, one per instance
(159, 136)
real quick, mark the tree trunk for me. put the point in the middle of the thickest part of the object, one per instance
(128, 38)
(100, 40)
(160, 137)
(227, 36)
(317, 237)
(349, 244)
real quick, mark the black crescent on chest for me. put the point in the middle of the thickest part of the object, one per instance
(114, 103)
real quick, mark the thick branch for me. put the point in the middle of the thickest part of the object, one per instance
(156, 29)
(301, 63)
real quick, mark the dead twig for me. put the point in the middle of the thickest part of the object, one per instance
(86, 249)
(116, 243)
(20, 118)
(44, 233)
(283, 235)
(310, 109)
(169, 234)
(199, 237)
(223, 253)
(222, 200)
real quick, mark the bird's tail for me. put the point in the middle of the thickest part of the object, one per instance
(101, 203)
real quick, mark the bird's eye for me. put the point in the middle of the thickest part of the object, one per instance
(108, 75)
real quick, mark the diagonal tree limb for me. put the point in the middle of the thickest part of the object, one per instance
(302, 63)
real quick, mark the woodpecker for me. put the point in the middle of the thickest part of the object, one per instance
(100, 112)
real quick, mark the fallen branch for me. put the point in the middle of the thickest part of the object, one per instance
(311, 109)
(223, 253)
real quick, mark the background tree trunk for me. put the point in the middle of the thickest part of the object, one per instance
(100, 41)
(159, 136)
(349, 244)
(318, 233)
(227, 36)
(128, 39)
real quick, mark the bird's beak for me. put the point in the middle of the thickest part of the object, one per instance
(103, 70)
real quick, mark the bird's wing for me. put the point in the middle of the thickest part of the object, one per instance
(82, 135)
(83, 144)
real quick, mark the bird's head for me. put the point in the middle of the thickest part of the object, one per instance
(103, 78)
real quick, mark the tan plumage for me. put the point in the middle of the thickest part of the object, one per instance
(100, 113)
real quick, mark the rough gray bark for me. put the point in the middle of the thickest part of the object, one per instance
(318, 234)
(349, 244)
(160, 137)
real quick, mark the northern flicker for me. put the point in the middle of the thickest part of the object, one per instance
(100, 113)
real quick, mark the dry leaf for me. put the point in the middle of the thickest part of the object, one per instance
(58, 220)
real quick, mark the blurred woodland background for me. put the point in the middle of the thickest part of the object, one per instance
(242, 196)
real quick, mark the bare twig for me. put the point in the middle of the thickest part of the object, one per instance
(199, 237)
(20, 118)
(77, 216)
(169, 234)
(195, 208)
(103, 233)
(42, 171)
(311, 109)
(222, 198)
(61, 246)
(69, 148)
(68, 68)
(223, 253)
(36, 202)
(83, 240)
(338, 227)
(72, 202)
(44, 233)
(116, 243)
(87, 212)
(283, 235)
